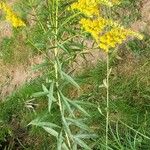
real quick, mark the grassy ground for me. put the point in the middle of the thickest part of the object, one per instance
(129, 122)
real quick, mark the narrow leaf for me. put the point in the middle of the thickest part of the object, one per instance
(74, 146)
(51, 98)
(78, 123)
(66, 127)
(85, 136)
(37, 122)
(79, 108)
(44, 88)
(63, 48)
(39, 94)
(70, 80)
(59, 141)
(64, 147)
(82, 143)
(51, 131)
(105, 83)
(66, 103)
(39, 66)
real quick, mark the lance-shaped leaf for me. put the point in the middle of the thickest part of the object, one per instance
(59, 65)
(42, 93)
(47, 126)
(70, 80)
(51, 131)
(50, 96)
(82, 143)
(63, 48)
(66, 104)
(78, 107)
(39, 66)
(59, 141)
(78, 123)
(39, 123)
(44, 88)
(85, 136)
(85, 103)
(74, 146)
(64, 146)
(66, 127)
(39, 94)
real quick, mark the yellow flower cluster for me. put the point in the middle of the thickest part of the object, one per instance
(113, 37)
(96, 25)
(11, 16)
(87, 7)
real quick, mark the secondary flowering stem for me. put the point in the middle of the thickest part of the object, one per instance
(107, 101)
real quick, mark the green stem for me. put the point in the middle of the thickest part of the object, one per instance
(107, 102)
(56, 54)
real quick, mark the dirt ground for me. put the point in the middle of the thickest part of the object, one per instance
(13, 76)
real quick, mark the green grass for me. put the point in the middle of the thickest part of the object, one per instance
(129, 107)
(129, 103)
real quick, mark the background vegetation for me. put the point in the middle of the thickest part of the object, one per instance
(129, 123)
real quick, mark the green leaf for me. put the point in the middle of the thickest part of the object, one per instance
(85, 136)
(78, 123)
(66, 103)
(50, 96)
(74, 146)
(44, 88)
(68, 20)
(70, 80)
(82, 143)
(39, 66)
(66, 127)
(59, 65)
(59, 141)
(39, 94)
(63, 48)
(46, 126)
(79, 108)
(85, 103)
(64, 147)
(51, 131)
(42, 93)
(39, 123)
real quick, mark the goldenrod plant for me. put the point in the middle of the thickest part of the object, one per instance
(71, 130)
(62, 45)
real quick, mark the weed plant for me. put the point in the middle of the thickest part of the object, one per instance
(85, 122)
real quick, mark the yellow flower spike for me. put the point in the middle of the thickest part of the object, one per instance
(94, 27)
(136, 34)
(115, 36)
(11, 16)
(88, 7)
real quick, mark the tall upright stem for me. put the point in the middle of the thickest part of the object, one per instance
(56, 65)
(56, 49)
(107, 102)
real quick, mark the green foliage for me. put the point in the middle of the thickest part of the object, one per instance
(45, 109)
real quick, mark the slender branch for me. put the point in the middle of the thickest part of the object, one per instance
(107, 102)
